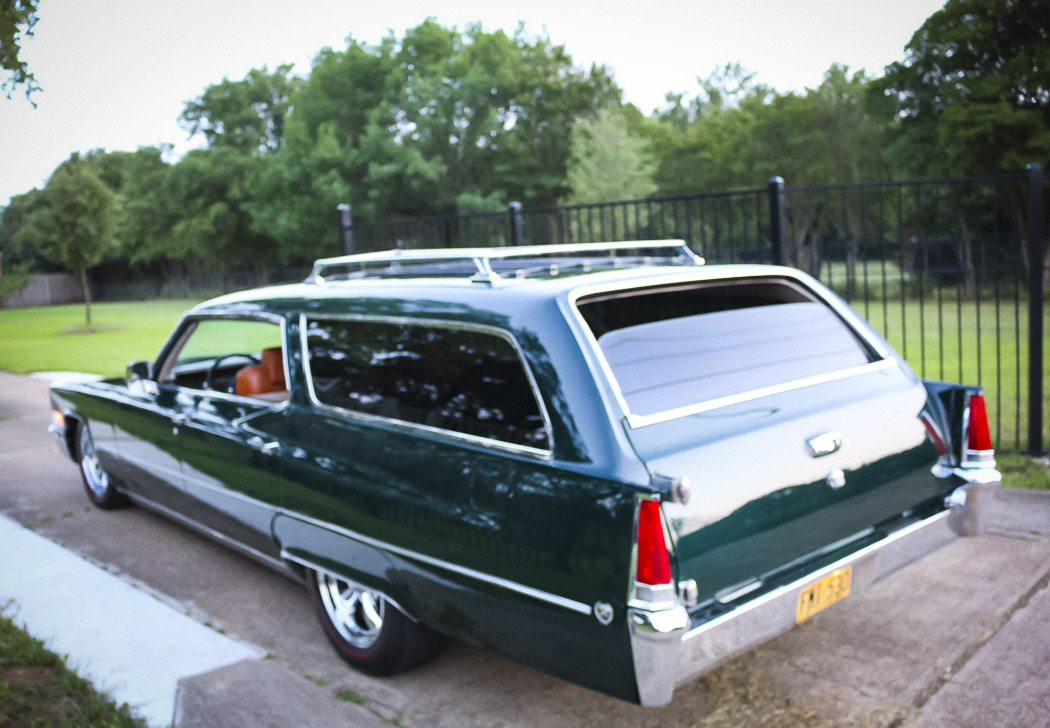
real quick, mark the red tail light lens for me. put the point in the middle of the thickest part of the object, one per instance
(654, 564)
(978, 436)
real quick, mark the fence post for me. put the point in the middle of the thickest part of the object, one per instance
(346, 228)
(776, 220)
(1035, 308)
(514, 214)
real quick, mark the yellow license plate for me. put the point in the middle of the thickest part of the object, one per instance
(830, 589)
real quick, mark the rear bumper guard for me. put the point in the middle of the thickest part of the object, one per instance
(669, 650)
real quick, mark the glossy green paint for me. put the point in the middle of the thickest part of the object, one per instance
(442, 524)
(340, 485)
(761, 502)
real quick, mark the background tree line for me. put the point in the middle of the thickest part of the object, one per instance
(447, 120)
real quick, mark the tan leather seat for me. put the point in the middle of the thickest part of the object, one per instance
(263, 378)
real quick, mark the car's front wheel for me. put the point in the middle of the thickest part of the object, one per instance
(97, 483)
(366, 629)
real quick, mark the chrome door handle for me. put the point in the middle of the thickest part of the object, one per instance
(266, 448)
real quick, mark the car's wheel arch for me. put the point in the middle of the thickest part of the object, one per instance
(72, 435)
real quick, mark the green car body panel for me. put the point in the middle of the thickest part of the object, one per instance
(509, 548)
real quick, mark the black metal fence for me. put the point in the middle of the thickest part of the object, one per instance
(951, 271)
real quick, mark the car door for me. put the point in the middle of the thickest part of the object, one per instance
(227, 436)
(422, 436)
(145, 417)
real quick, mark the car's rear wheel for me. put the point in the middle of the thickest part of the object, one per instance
(97, 483)
(366, 629)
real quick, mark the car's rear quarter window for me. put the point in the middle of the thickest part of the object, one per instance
(678, 346)
(461, 380)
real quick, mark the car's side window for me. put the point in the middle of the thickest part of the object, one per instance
(462, 380)
(237, 356)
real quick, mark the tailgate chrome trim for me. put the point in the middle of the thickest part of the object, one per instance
(636, 421)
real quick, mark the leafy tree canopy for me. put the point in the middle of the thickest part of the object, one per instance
(737, 133)
(17, 19)
(608, 162)
(973, 93)
(247, 115)
(443, 115)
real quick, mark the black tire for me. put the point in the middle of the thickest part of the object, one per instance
(97, 483)
(366, 629)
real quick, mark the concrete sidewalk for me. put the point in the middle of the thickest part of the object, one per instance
(121, 638)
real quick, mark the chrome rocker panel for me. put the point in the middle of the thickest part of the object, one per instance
(669, 650)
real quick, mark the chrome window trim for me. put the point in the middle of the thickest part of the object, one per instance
(177, 340)
(559, 601)
(589, 343)
(547, 454)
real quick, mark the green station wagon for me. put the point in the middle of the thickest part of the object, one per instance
(610, 462)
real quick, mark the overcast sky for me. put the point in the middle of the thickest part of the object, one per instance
(115, 73)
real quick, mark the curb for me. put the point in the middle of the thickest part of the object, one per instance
(124, 640)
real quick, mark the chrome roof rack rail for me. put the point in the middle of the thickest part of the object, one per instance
(477, 263)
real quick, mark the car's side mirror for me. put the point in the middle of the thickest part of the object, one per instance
(138, 370)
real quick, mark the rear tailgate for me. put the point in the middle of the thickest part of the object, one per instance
(798, 427)
(762, 501)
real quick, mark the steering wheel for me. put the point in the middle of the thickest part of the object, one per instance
(232, 386)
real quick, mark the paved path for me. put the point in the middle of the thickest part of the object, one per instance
(959, 639)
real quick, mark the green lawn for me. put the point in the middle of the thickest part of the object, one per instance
(1021, 471)
(964, 342)
(49, 339)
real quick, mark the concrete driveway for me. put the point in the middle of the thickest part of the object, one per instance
(959, 639)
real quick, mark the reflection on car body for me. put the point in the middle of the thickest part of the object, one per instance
(607, 461)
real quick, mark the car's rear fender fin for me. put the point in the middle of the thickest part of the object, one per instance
(948, 407)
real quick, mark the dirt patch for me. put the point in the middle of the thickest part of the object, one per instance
(91, 329)
(18, 674)
(743, 693)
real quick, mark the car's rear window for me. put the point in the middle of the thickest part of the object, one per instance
(464, 381)
(678, 346)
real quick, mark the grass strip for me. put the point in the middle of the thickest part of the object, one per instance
(37, 689)
(1021, 471)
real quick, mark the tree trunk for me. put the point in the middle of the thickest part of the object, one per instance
(969, 270)
(87, 294)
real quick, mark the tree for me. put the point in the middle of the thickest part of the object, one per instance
(973, 93)
(77, 221)
(246, 115)
(17, 18)
(608, 162)
(443, 117)
(13, 248)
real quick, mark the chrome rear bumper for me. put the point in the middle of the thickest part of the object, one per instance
(670, 650)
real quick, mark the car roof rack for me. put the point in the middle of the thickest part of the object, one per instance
(491, 265)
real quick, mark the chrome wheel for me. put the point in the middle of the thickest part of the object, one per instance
(355, 612)
(94, 476)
